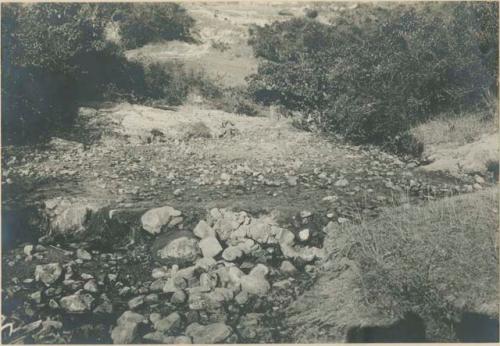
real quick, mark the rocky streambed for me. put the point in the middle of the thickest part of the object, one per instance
(225, 279)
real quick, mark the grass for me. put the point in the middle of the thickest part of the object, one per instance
(437, 260)
(456, 129)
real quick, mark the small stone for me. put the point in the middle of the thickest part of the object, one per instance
(241, 298)
(292, 180)
(124, 334)
(154, 317)
(478, 179)
(232, 253)
(206, 263)
(53, 304)
(210, 334)
(304, 235)
(158, 338)
(36, 297)
(151, 298)
(477, 186)
(287, 267)
(90, 286)
(179, 297)
(106, 307)
(83, 255)
(177, 192)
(182, 340)
(136, 302)
(28, 249)
(48, 273)
(77, 303)
(159, 273)
(260, 270)
(85, 276)
(203, 230)
(342, 220)
(131, 317)
(169, 323)
(341, 183)
(255, 285)
(210, 247)
(305, 214)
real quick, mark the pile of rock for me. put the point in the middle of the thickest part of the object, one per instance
(208, 272)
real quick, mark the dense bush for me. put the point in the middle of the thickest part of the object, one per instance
(55, 56)
(370, 75)
(43, 46)
(143, 23)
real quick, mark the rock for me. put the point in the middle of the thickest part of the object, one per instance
(159, 273)
(292, 180)
(77, 303)
(179, 297)
(155, 219)
(210, 247)
(124, 334)
(69, 216)
(178, 192)
(225, 222)
(232, 253)
(206, 264)
(260, 270)
(251, 328)
(168, 324)
(180, 250)
(255, 285)
(210, 334)
(131, 317)
(208, 281)
(478, 179)
(342, 220)
(90, 286)
(48, 273)
(36, 297)
(83, 255)
(151, 298)
(182, 340)
(136, 302)
(341, 183)
(203, 230)
(158, 338)
(305, 214)
(106, 307)
(28, 249)
(304, 235)
(241, 298)
(288, 268)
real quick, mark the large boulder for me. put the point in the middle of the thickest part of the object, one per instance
(181, 250)
(155, 219)
(69, 216)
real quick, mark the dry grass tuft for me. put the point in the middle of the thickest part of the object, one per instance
(456, 130)
(437, 260)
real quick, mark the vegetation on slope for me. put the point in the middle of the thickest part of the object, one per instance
(372, 74)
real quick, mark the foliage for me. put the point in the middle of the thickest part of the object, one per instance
(438, 260)
(372, 74)
(55, 56)
(143, 23)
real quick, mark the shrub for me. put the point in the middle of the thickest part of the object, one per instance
(144, 23)
(55, 56)
(42, 49)
(371, 75)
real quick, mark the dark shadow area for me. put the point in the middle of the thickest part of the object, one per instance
(477, 328)
(409, 329)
